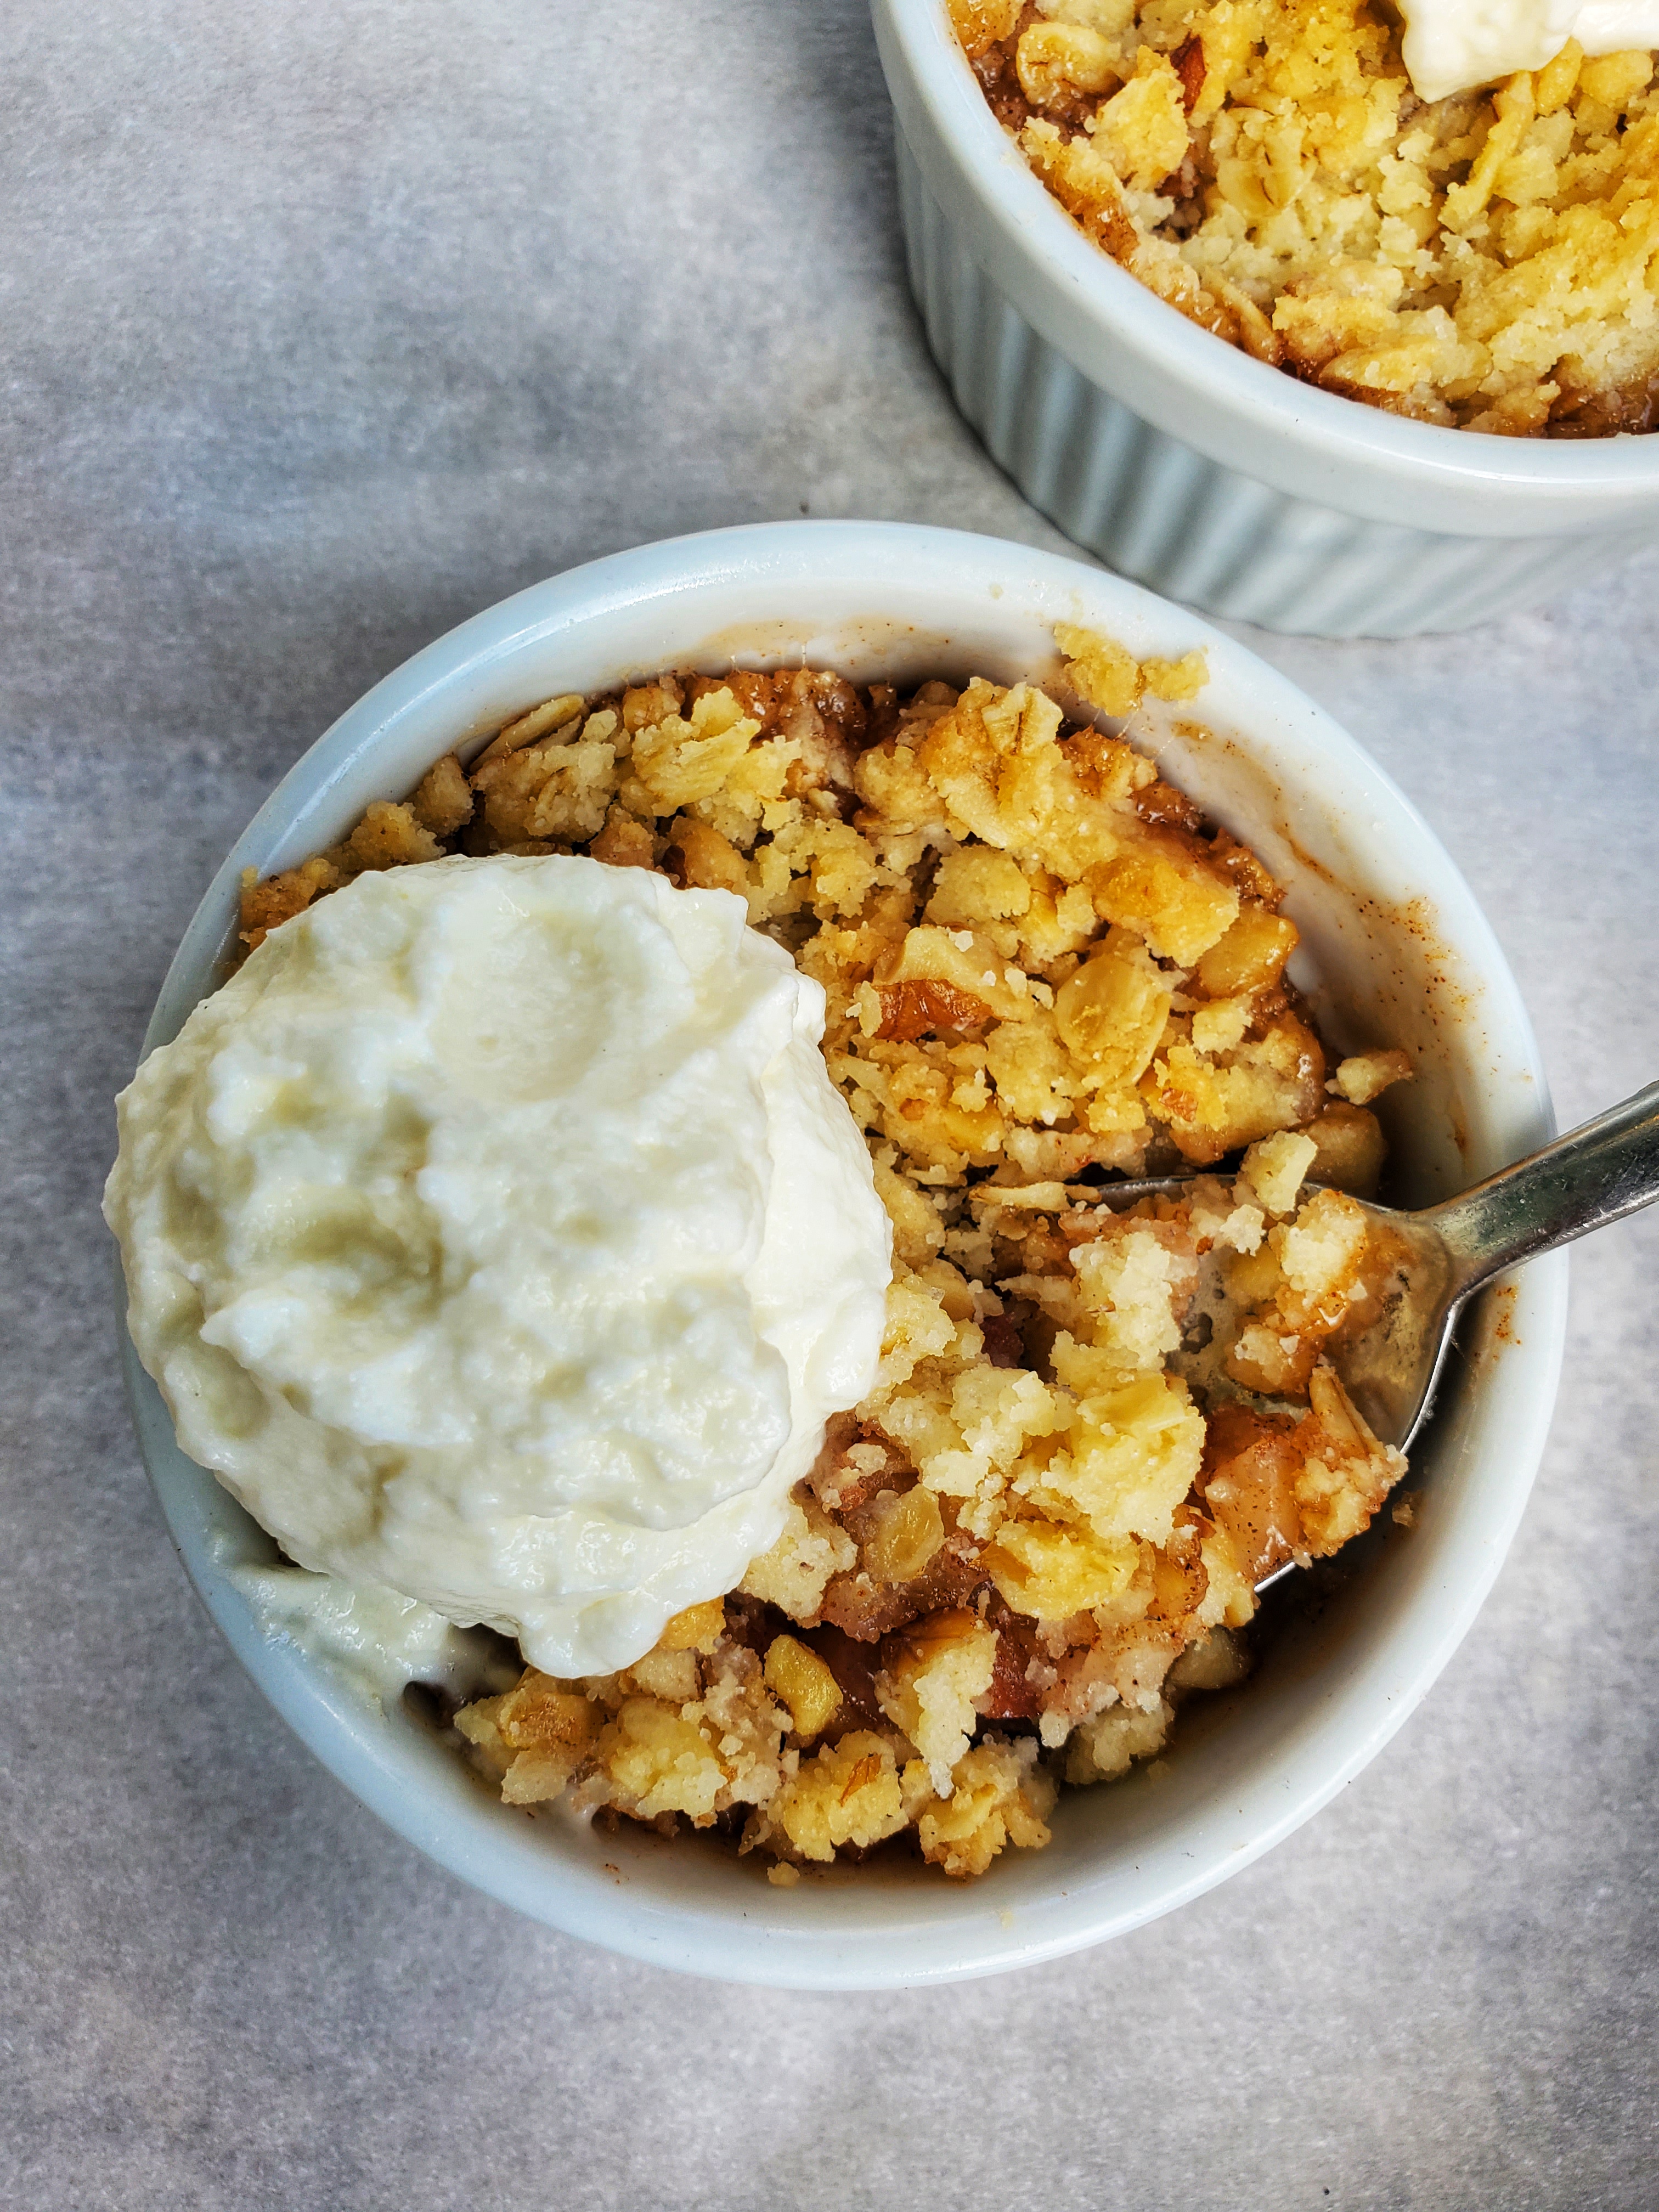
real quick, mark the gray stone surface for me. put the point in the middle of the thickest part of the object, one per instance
(323, 327)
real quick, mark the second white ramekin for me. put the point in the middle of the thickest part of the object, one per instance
(1184, 462)
(1395, 949)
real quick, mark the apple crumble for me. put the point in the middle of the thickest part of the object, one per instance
(1485, 261)
(1096, 1429)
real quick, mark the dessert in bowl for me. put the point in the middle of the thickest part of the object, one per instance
(1391, 951)
(1359, 363)
(1461, 253)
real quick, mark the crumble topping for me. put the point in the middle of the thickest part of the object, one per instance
(1485, 261)
(1094, 1432)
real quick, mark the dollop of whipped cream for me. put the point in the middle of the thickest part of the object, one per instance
(496, 1235)
(1451, 45)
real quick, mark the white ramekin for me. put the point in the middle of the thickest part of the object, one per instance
(1182, 461)
(1395, 949)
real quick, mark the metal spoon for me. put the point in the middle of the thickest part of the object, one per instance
(1584, 1180)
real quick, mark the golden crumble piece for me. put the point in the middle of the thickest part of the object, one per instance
(552, 714)
(390, 836)
(1216, 1103)
(1083, 179)
(541, 1711)
(1131, 1281)
(538, 1735)
(801, 1682)
(1178, 680)
(1107, 1747)
(977, 885)
(1321, 1254)
(556, 791)
(656, 1760)
(980, 23)
(703, 860)
(850, 1792)
(648, 706)
(1099, 669)
(1110, 1013)
(443, 797)
(1051, 1571)
(906, 1534)
(1345, 1474)
(684, 758)
(1284, 1490)
(794, 1574)
(694, 1757)
(624, 841)
(1171, 899)
(265, 905)
(698, 1628)
(666, 1671)
(1056, 60)
(929, 1690)
(1366, 1075)
(1349, 1150)
(1142, 128)
(1132, 1451)
(999, 1794)
(975, 982)
(1250, 955)
(1275, 1167)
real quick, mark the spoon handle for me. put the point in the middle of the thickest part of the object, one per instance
(1581, 1181)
